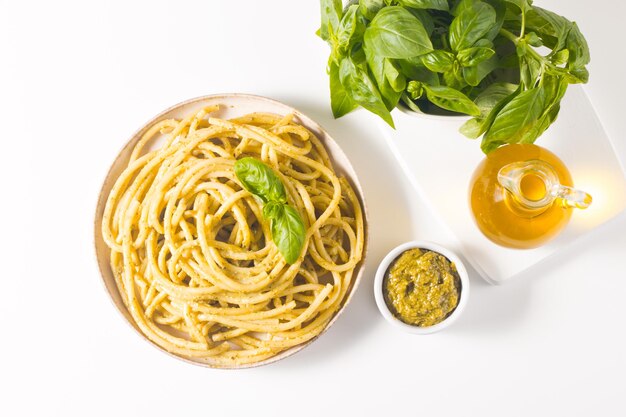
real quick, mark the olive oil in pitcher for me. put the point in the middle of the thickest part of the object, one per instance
(521, 196)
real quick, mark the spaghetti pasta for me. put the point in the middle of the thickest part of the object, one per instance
(192, 254)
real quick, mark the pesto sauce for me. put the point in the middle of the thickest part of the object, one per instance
(422, 287)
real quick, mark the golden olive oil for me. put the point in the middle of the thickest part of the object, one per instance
(518, 218)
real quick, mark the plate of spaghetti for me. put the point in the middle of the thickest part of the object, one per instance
(231, 231)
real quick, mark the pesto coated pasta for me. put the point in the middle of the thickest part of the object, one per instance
(193, 257)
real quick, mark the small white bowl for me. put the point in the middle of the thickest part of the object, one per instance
(378, 287)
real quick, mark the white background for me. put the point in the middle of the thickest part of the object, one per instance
(77, 78)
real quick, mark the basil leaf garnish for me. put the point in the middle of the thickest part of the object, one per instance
(260, 180)
(288, 232)
(286, 225)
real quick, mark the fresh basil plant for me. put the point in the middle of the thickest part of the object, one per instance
(286, 225)
(506, 63)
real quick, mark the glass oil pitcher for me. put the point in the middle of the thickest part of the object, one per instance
(522, 196)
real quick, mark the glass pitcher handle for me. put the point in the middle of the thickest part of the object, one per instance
(571, 197)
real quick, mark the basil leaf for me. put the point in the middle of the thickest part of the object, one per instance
(427, 20)
(523, 5)
(410, 104)
(359, 86)
(530, 67)
(476, 127)
(438, 61)
(578, 48)
(461, 6)
(347, 26)
(472, 23)
(515, 119)
(500, 8)
(560, 57)
(532, 39)
(340, 102)
(546, 22)
(451, 99)
(380, 68)
(260, 180)
(551, 28)
(272, 210)
(474, 75)
(472, 129)
(288, 231)
(331, 15)
(493, 95)
(470, 76)
(490, 102)
(393, 76)
(483, 43)
(425, 4)
(414, 69)
(478, 62)
(578, 75)
(554, 88)
(470, 57)
(454, 77)
(369, 8)
(396, 33)
(351, 29)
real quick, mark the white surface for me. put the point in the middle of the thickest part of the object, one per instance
(439, 163)
(78, 78)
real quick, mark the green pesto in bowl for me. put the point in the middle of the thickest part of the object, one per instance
(421, 287)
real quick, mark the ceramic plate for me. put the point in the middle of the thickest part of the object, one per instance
(232, 105)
